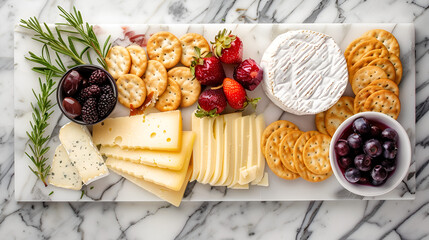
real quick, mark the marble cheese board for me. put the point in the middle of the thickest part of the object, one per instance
(256, 38)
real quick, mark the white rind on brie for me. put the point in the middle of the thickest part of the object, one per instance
(305, 72)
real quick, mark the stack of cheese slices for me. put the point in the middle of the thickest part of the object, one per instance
(150, 150)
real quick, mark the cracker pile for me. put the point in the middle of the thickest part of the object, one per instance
(291, 153)
(156, 75)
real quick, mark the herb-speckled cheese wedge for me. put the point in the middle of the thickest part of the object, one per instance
(88, 161)
(63, 174)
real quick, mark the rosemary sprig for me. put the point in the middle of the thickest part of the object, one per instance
(41, 113)
(45, 61)
(88, 37)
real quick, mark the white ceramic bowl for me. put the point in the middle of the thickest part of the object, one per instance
(403, 157)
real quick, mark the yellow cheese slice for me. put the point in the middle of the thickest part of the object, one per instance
(196, 154)
(164, 177)
(156, 131)
(260, 126)
(163, 159)
(208, 148)
(173, 197)
(229, 149)
(217, 165)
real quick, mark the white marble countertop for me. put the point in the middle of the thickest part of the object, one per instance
(217, 220)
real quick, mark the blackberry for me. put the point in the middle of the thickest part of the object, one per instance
(97, 77)
(90, 92)
(89, 111)
(105, 103)
(106, 89)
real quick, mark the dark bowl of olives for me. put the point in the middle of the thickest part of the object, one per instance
(87, 94)
(370, 154)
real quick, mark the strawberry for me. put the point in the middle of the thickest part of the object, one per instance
(236, 95)
(207, 69)
(211, 103)
(228, 47)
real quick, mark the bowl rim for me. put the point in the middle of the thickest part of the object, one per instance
(59, 89)
(405, 144)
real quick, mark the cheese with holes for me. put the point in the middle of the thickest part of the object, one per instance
(163, 159)
(156, 131)
(161, 176)
(304, 72)
(83, 154)
(63, 174)
(173, 197)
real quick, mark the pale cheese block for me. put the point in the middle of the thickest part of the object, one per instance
(208, 148)
(236, 162)
(305, 72)
(264, 181)
(245, 158)
(155, 131)
(163, 159)
(161, 176)
(82, 152)
(62, 173)
(260, 160)
(196, 153)
(173, 197)
(238, 186)
(217, 165)
(229, 149)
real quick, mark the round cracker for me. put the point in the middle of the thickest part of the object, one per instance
(365, 76)
(362, 48)
(379, 53)
(384, 101)
(286, 149)
(155, 78)
(363, 95)
(131, 90)
(138, 60)
(272, 155)
(118, 61)
(320, 122)
(386, 84)
(339, 112)
(171, 98)
(316, 154)
(189, 41)
(273, 127)
(353, 45)
(388, 40)
(165, 48)
(360, 64)
(386, 65)
(398, 67)
(189, 85)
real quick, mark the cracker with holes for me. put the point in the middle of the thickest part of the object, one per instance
(338, 113)
(384, 101)
(286, 149)
(386, 65)
(316, 154)
(272, 155)
(362, 48)
(273, 127)
(362, 96)
(190, 87)
(165, 48)
(379, 53)
(319, 120)
(189, 41)
(170, 99)
(365, 76)
(360, 64)
(353, 45)
(155, 79)
(131, 90)
(388, 40)
(386, 84)
(138, 60)
(118, 61)
(398, 67)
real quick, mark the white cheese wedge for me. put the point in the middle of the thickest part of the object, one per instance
(161, 176)
(196, 154)
(163, 159)
(155, 131)
(88, 161)
(229, 149)
(63, 174)
(208, 148)
(217, 165)
(260, 161)
(304, 72)
(173, 197)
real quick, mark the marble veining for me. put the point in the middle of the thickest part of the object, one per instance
(354, 219)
